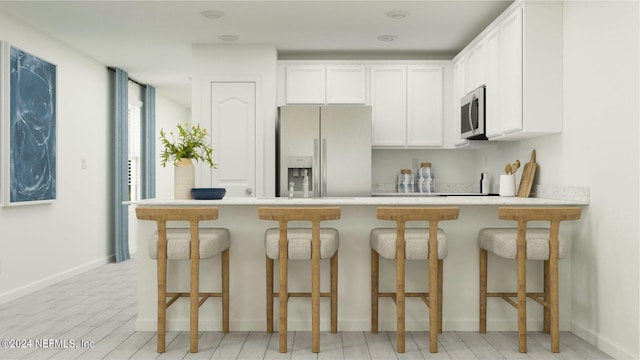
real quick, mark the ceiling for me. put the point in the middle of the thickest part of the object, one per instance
(152, 39)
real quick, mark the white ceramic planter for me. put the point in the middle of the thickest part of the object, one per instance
(183, 179)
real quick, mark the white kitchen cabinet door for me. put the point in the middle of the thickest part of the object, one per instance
(475, 67)
(511, 73)
(231, 122)
(389, 102)
(305, 84)
(459, 71)
(346, 84)
(424, 106)
(493, 93)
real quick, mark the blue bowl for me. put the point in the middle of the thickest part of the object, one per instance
(208, 193)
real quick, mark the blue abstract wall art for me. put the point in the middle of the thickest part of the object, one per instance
(32, 128)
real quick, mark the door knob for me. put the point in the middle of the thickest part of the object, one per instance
(248, 191)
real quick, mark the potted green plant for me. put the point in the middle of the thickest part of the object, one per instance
(190, 144)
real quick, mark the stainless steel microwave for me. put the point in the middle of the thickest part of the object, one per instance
(472, 115)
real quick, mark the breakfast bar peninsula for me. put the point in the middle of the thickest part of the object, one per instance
(358, 218)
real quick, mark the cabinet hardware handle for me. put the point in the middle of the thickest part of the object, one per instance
(473, 99)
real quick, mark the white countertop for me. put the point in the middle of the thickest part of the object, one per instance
(375, 201)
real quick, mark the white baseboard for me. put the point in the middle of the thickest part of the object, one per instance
(53, 279)
(602, 343)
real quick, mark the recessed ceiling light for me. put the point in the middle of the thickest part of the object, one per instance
(212, 14)
(397, 14)
(387, 37)
(228, 37)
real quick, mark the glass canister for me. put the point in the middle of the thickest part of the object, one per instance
(405, 181)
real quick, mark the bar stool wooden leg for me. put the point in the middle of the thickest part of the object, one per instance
(374, 291)
(440, 276)
(334, 293)
(433, 301)
(269, 295)
(225, 291)
(522, 290)
(400, 302)
(546, 310)
(162, 297)
(483, 291)
(553, 295)
(315, 289)
(195, 293)
(283, 296)
(553, 287)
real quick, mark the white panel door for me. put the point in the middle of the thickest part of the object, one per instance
(233, 133)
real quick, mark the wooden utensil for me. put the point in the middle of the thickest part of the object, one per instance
(515, 166)
(507, 169)
(529, 171)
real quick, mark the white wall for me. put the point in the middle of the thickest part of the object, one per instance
(598, 148)
(450, 166)
(230, 63)
(168, 115)
(41, 244)
(602, 45)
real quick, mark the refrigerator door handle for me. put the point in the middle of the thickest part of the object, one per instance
(324, 168)
(316, 168)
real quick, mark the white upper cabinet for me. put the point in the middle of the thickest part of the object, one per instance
(407, 106)
(320, 84)
(519, 59)
(406, 97)
(346, 84)
(492, 77)
(509, 117)
(459, 90)
(305, 84)
(475, 73)
(424, 106)
(389, 105)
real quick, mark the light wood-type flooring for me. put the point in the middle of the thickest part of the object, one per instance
(92, 316)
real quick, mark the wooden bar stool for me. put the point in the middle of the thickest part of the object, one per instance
(525, 244)
(187, 244)
(414, 244)
(285, 244)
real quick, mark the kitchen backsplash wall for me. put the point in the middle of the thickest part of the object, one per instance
(455, 170)
(550, 178)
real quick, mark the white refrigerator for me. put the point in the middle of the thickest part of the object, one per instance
(331, 145)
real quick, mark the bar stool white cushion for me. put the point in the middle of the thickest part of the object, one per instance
(299, 241)
(416, 243)
(212, 242)
(502, 242)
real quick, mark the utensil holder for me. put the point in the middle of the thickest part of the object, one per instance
(507, 185)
